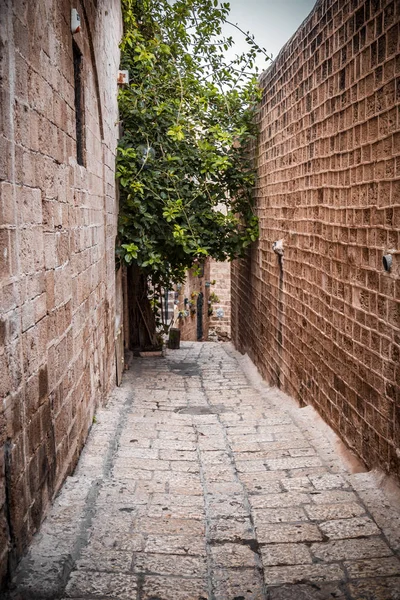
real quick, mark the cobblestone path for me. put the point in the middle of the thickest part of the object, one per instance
(197, 483)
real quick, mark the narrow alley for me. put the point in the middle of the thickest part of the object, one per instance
(200, 482)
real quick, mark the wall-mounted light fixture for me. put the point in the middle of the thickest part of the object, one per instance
(277, 247)
(75, 21)
(387, 260)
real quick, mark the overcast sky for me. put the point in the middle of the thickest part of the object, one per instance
(273, 22)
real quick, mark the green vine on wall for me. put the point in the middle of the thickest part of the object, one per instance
(186, 175)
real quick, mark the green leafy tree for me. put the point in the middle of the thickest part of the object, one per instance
(184, 166)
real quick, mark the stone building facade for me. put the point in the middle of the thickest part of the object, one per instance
(191, 305)
(323, 321)
(58, 134)
(220, 272)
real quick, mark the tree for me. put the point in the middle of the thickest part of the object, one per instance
(184, 166)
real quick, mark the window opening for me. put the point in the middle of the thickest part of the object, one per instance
(79, 105)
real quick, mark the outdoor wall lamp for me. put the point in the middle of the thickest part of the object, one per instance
(75, 21)
(387, 260)
(277, 247)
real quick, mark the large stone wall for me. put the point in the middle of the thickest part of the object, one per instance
(324, 323)
(220, 272)
(57, 235)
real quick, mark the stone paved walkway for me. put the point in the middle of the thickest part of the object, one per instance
(198, 482)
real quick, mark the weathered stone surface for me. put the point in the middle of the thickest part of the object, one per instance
(169, 544)
(165, 588)
(230, 584)
(285, 554)
(279, 515)
(373, 567)
(324, 512)
(96, 584)
(166, 564)
(322, 323)
(376, 589)
(217, 533)
(301, 574)
(316, 591)
(293, 532)
(368, 547)
(349, 528)
(60, 297)
(233, 555)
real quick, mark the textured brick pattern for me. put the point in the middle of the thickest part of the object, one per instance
(326, 326)
(221, 273)
(57, 233)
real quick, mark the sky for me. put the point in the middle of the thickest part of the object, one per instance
(273, 22)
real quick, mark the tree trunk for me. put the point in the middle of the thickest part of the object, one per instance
(142, 325)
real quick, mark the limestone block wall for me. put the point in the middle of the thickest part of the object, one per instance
(220, 272)
(324, 323)
(57, 234)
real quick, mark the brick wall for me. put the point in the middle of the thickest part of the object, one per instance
(57, 232)
(221, 273)
(324, 325)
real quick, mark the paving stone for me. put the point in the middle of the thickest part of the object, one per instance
(244, 584)
(333, 497)
(292, 484)
(383, 588)
(233, 555)
(170, 544)
(181, 455)
(369, 547)
(285, 554)
(329, 481)
(280, 464)
(175, 445)
(302, 574)
(221, 505)
(166, 564)
(109, 561)
(179, 500)
(224, 487)
(168, 588)
(316, 591)
(96, 584)
(107, 539)
(349, 528)
(170, 526)
(231, 529)
(250, 466)
(185, 466)
(215, 457)
(217, 473)
(177, 512)
(279, 500)
(281, 533)
(130, 473)
(295, 452)
(325, 512)
(279, 515)
(373, 567)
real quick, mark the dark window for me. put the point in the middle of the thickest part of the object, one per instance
(79, 105)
